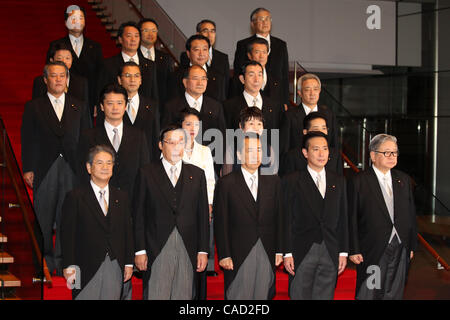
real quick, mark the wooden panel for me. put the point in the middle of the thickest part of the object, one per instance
(9, 280)
(3, 238)
(6, 258)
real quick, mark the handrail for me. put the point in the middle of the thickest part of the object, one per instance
(25, 206)
(433, 252)
(141, 16)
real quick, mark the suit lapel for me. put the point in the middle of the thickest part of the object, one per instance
(309, 188)
(397, 184)
(377, 193)
(245, 194)
(96, 210)
(163, 182)
(51, 117)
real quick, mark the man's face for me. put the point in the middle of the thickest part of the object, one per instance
(209, 31)
(130, 79)
(101, 169)
(114, 106)
(317, 153)
(259, 53)
(196, 83)
(172, 146)
(251, 154)
(317, 124)
(64, 56)
(262, 23)
(130, 39)
(199, 53)
(310, 92)
(149, 32)
(253, 79)
(76, 21)
(253, 125)
(57, 80)
(382, 162)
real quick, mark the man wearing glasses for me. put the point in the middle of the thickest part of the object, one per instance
(261, 23)
(171, 222)
(382, 224)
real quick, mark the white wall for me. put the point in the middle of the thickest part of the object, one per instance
(320, 33)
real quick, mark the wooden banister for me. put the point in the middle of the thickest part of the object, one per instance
(433, 252)
(25, 206)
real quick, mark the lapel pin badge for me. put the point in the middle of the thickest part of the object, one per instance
(74, 107)
(190, 177)
(147, 107)
(117, 201)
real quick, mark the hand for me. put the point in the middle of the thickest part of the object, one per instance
(210, 213)
(278, 259)
(29, 177)
(285, 107)
(411, 255)
(128, 272)
(289, 265)
(226, 263)
(356, 258)
(202, 262)
(342, 264)
(141, 262)
(69, 272)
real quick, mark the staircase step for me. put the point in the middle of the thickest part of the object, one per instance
(3, 239)
(6, 258)
(9, 280)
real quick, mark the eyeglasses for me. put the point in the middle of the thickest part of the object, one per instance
(388, 154)
(208, 31)
(262, 19)
(129, 75)
(174, 143)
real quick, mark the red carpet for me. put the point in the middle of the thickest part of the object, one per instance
(26, 29)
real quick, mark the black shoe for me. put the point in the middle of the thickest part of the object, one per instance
(211, 274)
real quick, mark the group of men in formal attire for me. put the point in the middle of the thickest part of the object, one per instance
(120, 198)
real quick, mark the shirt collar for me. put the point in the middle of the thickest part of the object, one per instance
(308, 110)
(144, 51)
(314, 173)
(135, 101)
(190, 100)
(127, 58)
(210, 56)
(380, 175)
(248, 175)
(52, 98)
(249, 99)
(203, 66)
(96, 189)
(167, 165)
(73, 38)
(110, 127)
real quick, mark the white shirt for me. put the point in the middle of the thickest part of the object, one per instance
(201, 157)
(308, 110)
(267, 39)
(203, 66)
(191, 100)
(127, 58)
(109, 131)
(144, 51)
(135, 105)
(210, 56)
(97, 190)
(264, 78)
(249, 99)
(248, 181)
(62, 100)
(381, 180)
(323, 176)
(80, 43)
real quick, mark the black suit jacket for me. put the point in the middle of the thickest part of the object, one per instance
(277, 63)
(147, 120)
(216, 88)
(111, 68)
(369, 222)
(78, 87)
(273, 113)
(158, 213)
(87, 235)
(239, 220)
(87, 65)
(132, 155)
(292, 132)
(219, 62)
(313, 219)
(44, 137)
(294, 160)
(164, 67)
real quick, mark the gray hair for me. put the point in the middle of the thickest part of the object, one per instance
(307, 76)
(55, 63)
(256, 11)
(96, 150)
(379, 139)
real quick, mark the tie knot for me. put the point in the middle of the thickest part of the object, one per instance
(102, 193)
(173, 169)
(116, 131)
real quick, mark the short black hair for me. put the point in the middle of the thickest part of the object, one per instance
(196, 37)
(249, 113)
(55, 63)
(202, 22)
(113, 88)
(187, 71)
(257, 40)
(66, 15)
(249, 63)
(169, 128)
(140, 23)
(58, 46)
(256, 11)
(311, 116)
(129, 64)
(313, 134)
(187, 112)
(96, 150)
(127, 24)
